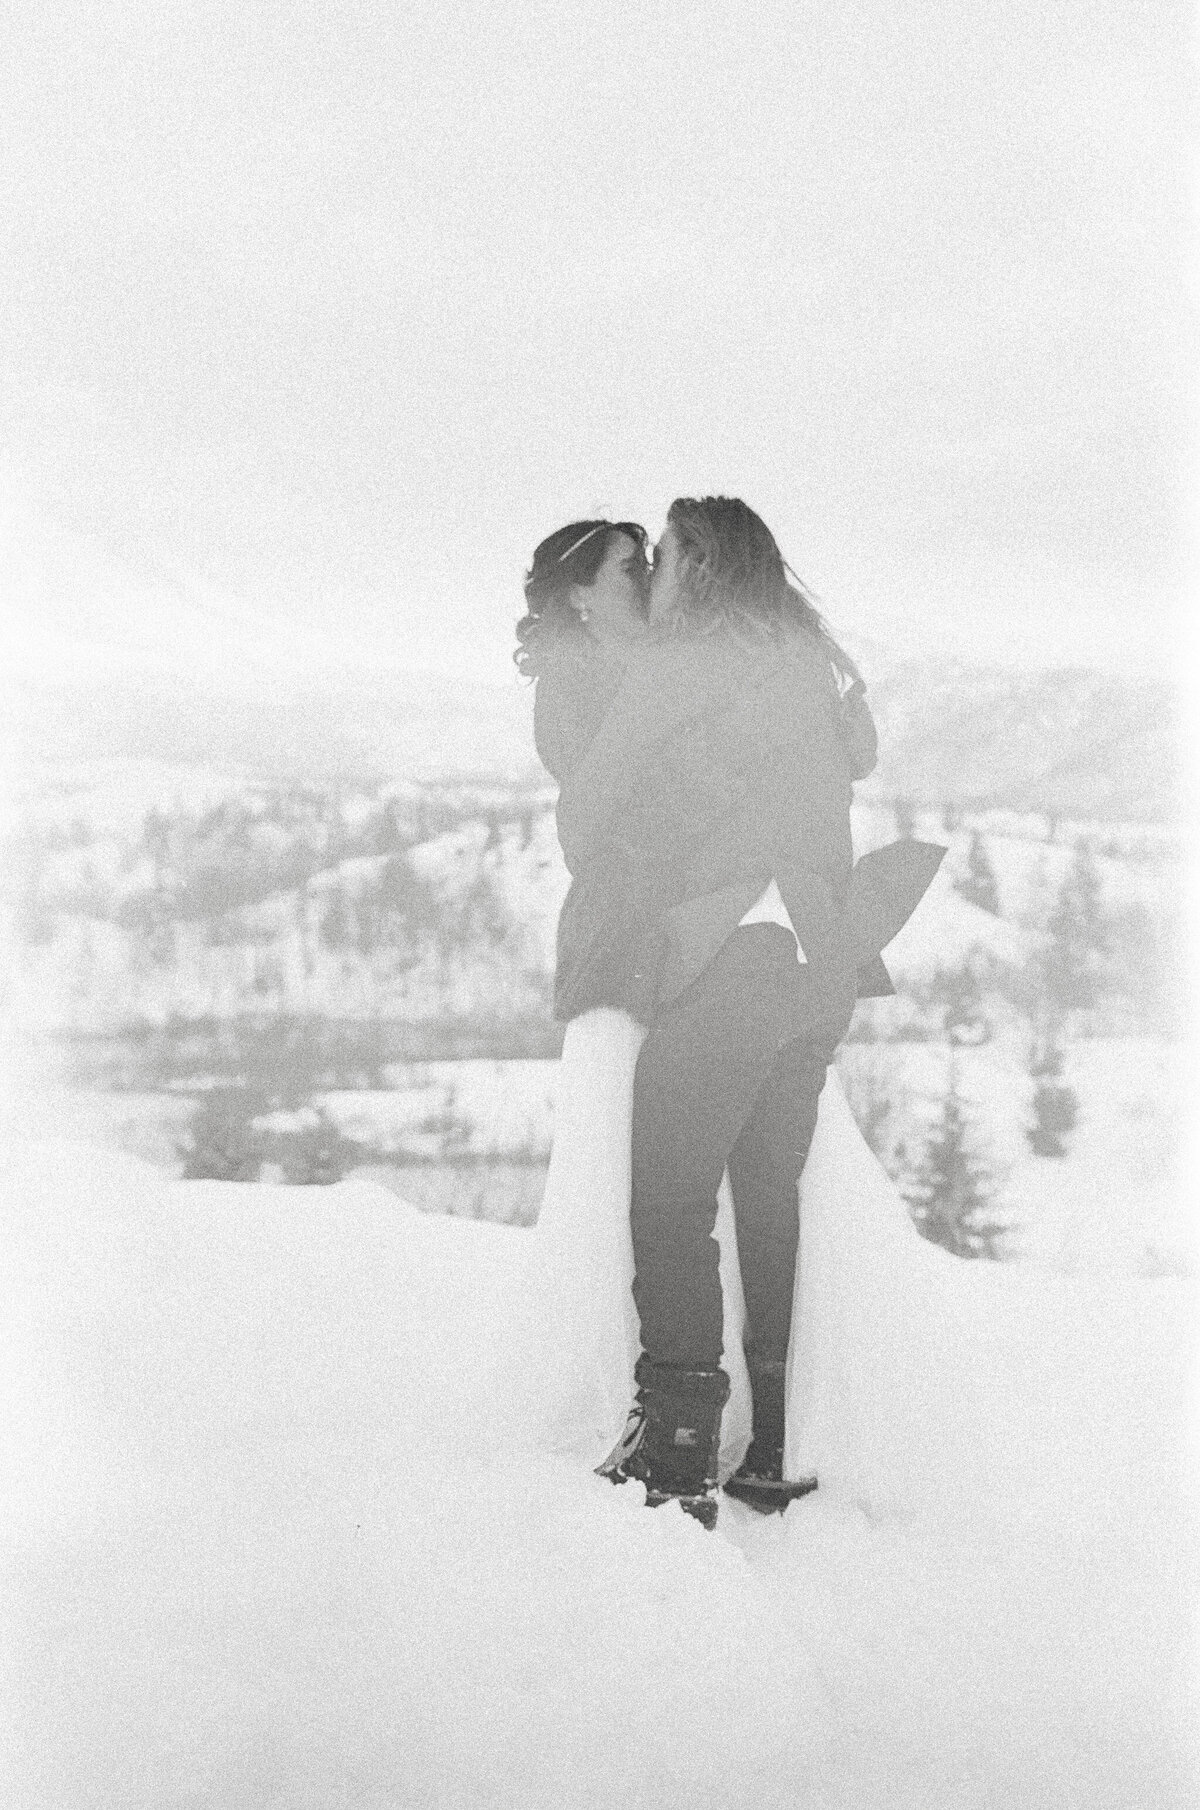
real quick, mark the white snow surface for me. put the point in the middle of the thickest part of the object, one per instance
(299, 1509)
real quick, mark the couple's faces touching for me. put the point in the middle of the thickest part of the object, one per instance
(624, 600)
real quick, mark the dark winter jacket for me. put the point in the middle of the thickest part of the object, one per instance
(614, 898)
(715, 768)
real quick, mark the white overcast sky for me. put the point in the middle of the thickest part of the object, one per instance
(320, 316)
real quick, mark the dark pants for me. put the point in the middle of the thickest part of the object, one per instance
(722, 1079)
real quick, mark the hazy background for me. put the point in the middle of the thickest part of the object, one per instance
(315, 319)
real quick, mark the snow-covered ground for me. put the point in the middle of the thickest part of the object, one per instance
(272, 1541)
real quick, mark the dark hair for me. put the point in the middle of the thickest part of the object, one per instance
(570, 556)
(734, 576)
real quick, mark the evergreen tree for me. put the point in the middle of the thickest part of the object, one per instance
(949, 1188)
(222, 1143)
(406, 907)
(387, 830)
(1077, 938)
(317, 1153)
(335, 918)
(978, 882)
(1055, 1105)
(956, 995)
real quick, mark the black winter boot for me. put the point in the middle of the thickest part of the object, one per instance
(759, 1480)
(672, 1438)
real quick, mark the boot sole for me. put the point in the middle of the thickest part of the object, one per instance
(768, 1495)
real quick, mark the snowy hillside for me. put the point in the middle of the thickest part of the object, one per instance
(277, 1535)
(1069, 742)
(291, 981)
(199, 899)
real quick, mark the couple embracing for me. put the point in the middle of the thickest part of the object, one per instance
(706, 731)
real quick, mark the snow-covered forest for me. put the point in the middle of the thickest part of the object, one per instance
(301, 981)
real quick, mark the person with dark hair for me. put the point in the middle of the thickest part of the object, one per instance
(586, 601)
(585, 590)
(705, 821)
(585, 607)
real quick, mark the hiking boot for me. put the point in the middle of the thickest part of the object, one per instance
(759, 1481)
(672, 1438)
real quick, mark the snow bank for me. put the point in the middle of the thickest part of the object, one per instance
(272, 1540)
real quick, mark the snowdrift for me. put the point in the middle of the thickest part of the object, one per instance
(283, 1528)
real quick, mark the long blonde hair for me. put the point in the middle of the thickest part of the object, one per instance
(734, 577)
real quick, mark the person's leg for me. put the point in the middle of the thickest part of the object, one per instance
(698, 1075)
(764, 1168)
